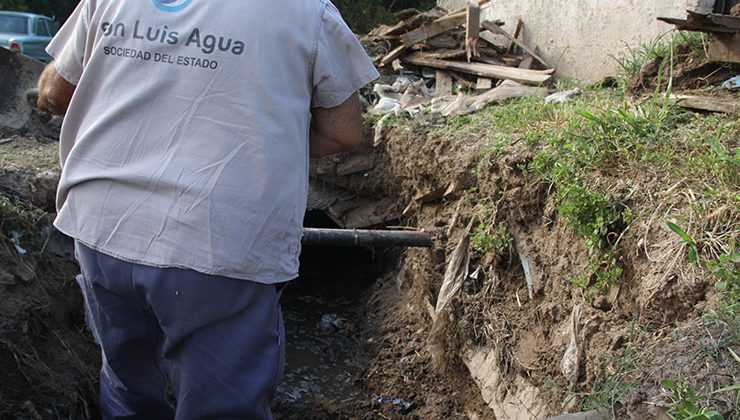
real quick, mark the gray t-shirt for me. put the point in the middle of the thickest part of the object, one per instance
(186, 142)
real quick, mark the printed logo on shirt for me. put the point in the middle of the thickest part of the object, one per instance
(172, 5)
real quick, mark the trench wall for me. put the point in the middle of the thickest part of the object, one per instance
(577, 37)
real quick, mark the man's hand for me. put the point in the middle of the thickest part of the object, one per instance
(335, 130)
(55, 92)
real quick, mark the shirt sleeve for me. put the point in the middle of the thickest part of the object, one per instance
(70, 43)
(341, 64)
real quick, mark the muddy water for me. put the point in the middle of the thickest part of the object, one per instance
(323, 313)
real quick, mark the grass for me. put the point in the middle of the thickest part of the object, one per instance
(632, 59)
(618, 376)
(584, 148)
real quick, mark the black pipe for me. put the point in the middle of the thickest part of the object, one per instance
(366, 238)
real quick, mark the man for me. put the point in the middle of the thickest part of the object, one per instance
(185, 152)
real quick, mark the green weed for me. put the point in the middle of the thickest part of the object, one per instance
(727, 270)
(633, 59)
(690, 242)
(486, 239)
(686, 403)
(618, 376)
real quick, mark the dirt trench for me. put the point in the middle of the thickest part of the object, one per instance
(495, 351)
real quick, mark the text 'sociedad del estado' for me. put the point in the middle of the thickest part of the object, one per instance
(202, 46)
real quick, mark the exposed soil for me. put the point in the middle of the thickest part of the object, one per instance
(496, 351)
(47, 358)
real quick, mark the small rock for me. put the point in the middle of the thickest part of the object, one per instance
(6, 278)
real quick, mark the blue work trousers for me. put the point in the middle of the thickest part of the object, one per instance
(218, 340)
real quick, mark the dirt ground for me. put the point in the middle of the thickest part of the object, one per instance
(651, 326)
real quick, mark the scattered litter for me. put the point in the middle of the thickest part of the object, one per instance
(732, 84)
(400, 406)
(16, 240)
(527, 266)
(570, 364)
(562, 97)
(456, 273)
(332, 323)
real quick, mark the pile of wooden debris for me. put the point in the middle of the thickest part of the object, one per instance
(454, 48)
(723, 47)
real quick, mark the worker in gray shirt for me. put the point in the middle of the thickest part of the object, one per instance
(185, 148)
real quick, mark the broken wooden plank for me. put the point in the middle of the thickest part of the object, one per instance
(724, 48)
(527, 62)
(472, 29)
(711, 19)
(484, 70)
(435, 28)
(356, 164)
(685, 25)
(394, 54)
(444, 83)
(496, 30)
(508, 90)
(496, 42)
(445, 54)
(708, 103)
(389, 32)
(441, 41)
(483, 84)
(496, 60)
(517, 34)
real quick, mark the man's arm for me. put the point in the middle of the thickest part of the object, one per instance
(335, 130)
(55, 92)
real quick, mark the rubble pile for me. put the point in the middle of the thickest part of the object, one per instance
(440, 54)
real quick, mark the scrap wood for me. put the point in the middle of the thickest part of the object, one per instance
(391, 56)
(388, 32)
(484, 70)
(463, 105)
(708, 103)
(517, 34)
(527, 61)
(440, 25)
(446, 40)
(459, 78)
(445, 54)
(437, 27)
(685, 25)
(711, 19)
(507, 90)
(491, 26)
(472, 29)
(724, 48)
(443, 83)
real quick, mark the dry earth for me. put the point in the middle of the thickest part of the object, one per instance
(495, 351)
